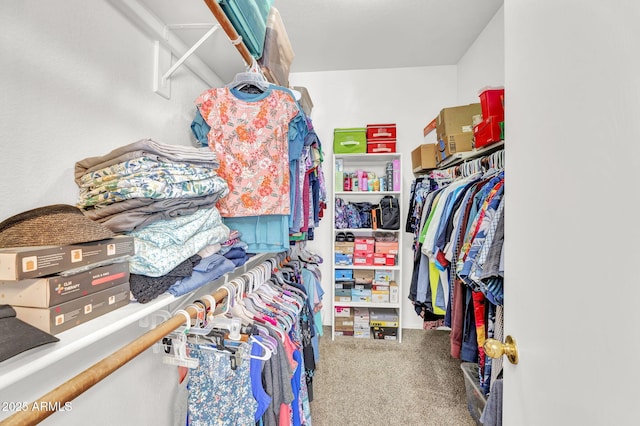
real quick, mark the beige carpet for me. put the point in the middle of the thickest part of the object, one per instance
(377, 382)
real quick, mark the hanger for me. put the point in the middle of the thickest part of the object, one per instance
(252, 80)
(179, 344)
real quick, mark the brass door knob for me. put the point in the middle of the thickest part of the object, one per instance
(495, 349)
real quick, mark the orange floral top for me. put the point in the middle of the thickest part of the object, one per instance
(250, 138)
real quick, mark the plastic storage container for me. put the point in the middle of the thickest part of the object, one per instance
(278, 54)
(476, 399)
(487, 132)
(350, 140)
(249, 18)
(492, 103)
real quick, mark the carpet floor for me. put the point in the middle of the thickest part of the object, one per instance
(364, 382)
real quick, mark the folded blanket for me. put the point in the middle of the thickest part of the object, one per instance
(136, 213)
(164, 244)
(148, 148)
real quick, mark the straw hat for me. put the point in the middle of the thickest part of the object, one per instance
(58, 224)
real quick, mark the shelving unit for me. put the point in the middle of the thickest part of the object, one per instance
(375, 163)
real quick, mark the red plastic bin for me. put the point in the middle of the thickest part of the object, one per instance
(487, 132)
(492, 103)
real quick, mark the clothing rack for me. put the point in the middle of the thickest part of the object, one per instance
(231, 32)
(495, 160)
(83, 381)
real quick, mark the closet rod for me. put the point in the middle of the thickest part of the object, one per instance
(98, 371)
(231, 32)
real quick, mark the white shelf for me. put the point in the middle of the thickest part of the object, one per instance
(344, 193)
(366, 305)
(392, 268)
(84, 335)
(375, 163)
(460, 157)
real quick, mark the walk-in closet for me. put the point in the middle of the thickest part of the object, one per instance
(318, 212)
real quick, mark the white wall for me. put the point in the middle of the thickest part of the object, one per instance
(483, 64)
(76, 82)
(409, 97)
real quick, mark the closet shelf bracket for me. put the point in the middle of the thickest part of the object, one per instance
(162, 60)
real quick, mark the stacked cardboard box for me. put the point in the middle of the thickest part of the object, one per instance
(454, 129)
(361, 323)
(384, 323)
(56, 288)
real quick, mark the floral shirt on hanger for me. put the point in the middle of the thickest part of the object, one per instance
(249, 134)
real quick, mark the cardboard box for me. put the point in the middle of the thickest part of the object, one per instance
(383, 317)
(358, 295)
(344, 274)
(381, 259)
(363, 276)
(385, 333)
(424, 157)
(383, 275)
(342, 298)
(56, 289)
(59, 318)
(453, 143)
(387, 247)
(362, 333)
(343, 292)
(32, 262)
(343, 333)
(347, 285)
(456, 120)
(343, 259)
(344, 247)
(344, 322)
(365, 245)
(364, 260)
(361, 314)
(380, 297)
(343, 311)
(394, 292)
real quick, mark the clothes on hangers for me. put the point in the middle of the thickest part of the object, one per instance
(457, 222)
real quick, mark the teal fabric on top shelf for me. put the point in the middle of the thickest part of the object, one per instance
(249, 18)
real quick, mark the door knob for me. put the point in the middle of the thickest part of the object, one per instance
(495, 349)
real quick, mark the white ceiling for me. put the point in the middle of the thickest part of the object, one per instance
(348, 34)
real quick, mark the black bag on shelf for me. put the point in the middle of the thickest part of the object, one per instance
(388, 213)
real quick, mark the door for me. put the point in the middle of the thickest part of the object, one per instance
(572, 228)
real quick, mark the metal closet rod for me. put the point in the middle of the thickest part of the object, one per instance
(98, 371)
(231, 32)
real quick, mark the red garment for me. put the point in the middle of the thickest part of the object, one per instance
(481, 332)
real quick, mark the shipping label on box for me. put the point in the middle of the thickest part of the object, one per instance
(32, 262)
(56, 289)
(59, 318)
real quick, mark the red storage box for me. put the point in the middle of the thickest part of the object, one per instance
(364, 244)
(492, 104)
(384, 259)
(381, 146)
(381, 131)
(487, 132)
(386, 247)
(364, 260)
